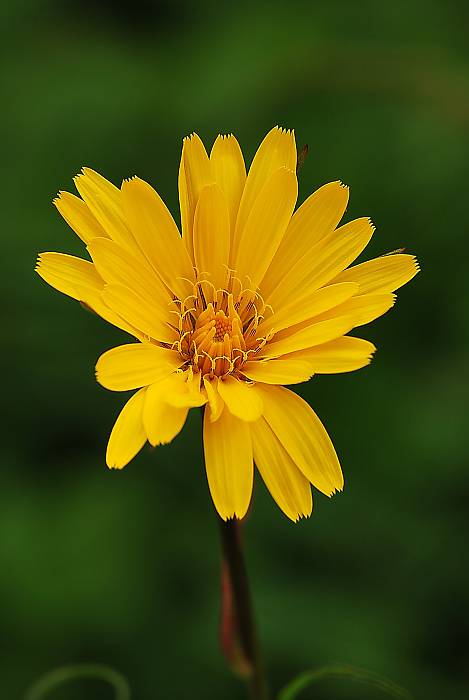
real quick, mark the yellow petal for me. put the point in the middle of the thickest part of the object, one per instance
(308, 337)
(277, 150)
(79, 279)
(105, 203)
(183, 390)
(139, 312)
(331, 324)
(118, 266)
(317, 217)
(212, 235)
(194, 174)
(78, 216)
(229, 172)
(303, 436)
(289, 488)
(157, 235)
(215, 401)
(288, 370)
(72, 276)
(344, 354)
(135, 365)
(384, 274)
(240, 398)
(307, 305)
(324, 260)
(228, 461)
(362, 309)
(127, 436)
(265, 226)
(162, 422)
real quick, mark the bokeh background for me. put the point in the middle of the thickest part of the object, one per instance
(122, 568)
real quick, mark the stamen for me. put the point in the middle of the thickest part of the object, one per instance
(218, 327)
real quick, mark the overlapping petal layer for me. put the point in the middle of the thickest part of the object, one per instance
(288, 486)
(79, 279)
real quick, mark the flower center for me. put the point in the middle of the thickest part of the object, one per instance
(218, 327)
(223, 326)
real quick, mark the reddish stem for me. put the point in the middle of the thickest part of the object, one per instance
(238, 633)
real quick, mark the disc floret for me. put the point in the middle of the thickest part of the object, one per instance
(218, 327)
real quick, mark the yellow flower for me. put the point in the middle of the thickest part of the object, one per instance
(252, 296)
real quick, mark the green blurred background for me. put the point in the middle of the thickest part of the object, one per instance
(122, 568)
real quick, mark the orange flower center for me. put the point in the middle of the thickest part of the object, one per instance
(222, 326)
(218, 327)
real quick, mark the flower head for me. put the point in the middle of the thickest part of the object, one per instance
(252, 296)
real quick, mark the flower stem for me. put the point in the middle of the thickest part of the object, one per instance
(242, 611)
